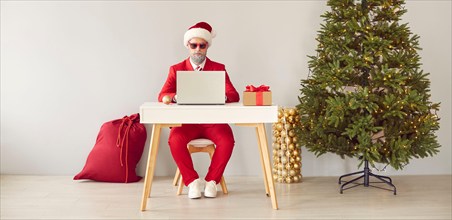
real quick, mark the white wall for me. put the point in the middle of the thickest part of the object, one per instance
(69, 66)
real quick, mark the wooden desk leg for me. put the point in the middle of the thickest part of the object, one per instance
(262, 163)
(267, 168)
(154, 145)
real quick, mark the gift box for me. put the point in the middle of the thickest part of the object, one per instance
(257, 95)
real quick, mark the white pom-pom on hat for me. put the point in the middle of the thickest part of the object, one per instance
(202, 30)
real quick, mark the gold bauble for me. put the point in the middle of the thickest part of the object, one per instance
(166, 99)
(283, 160)
(292, 111)
(288, 140)
(286, 115)
(288, 126)
(284, 173)
(290, 119)
(292, 160)
(275, 177)
(291, 133)
(298, 158)
(295, 179)
(279, 126)
(283, 133)
(291, 146)
(292, 173)
(295, 152)
(288, 180)
(288, 166)
(296, 166)
(288, 153)
(283, 146)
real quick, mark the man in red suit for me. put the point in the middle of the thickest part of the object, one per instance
(198, 39)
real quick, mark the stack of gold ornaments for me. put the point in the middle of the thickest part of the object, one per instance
(286, 149)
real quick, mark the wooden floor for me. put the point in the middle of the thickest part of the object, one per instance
(59, 197)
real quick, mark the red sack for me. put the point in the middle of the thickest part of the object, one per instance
(117, 151)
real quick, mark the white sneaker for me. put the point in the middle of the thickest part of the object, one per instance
(194, 189)
(211, 189)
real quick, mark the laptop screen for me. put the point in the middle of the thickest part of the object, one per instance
(200, 87)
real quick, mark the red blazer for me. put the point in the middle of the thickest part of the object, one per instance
(169, 88)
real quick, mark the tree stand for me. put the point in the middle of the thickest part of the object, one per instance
(366, 173)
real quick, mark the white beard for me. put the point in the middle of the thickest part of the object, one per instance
(197, 58)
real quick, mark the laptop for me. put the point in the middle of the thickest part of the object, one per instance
(200, 88)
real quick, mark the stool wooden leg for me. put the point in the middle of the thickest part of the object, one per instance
(176, 177)
(223, 186)
(180, 187)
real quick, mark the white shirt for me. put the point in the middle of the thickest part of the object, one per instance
(201, 65)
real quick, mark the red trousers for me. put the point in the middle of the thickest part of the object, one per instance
(220, 134)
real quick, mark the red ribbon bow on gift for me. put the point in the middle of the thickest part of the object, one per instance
(261, 88)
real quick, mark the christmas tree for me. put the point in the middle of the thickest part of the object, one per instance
(366, 95)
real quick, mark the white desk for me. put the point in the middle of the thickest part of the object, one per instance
(173, 115)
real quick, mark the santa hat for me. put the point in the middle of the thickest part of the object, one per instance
(202, 30)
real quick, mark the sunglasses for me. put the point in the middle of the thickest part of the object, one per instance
(194, 46)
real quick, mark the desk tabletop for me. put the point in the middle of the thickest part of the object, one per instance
(157, 112)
